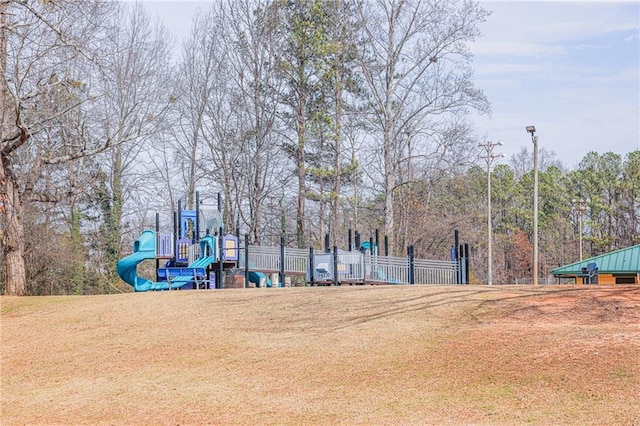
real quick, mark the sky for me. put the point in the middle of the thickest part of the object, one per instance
(570, 68)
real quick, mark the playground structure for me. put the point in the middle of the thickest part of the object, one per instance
(191, 259)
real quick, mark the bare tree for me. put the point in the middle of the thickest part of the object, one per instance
(228, 101)
(197, 79)
(42, 47)
(136, 96)
(416, 66)
(252, 57)
(522, 161)
(208, 126)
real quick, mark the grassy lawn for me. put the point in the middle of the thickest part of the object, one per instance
(325, 355)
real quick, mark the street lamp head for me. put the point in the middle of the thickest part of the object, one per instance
(531, 129)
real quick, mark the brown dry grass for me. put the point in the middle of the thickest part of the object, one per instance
(348, 355)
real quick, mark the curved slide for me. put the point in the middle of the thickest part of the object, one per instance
(145, 248)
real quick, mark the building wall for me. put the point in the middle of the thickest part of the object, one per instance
(610, 279)
(606, 279)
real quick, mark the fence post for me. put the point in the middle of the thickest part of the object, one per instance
(335, 266)
(282, 272)
(363, 267)
(412, 265)
(246, 260)
(157, 244)
(197, 230)
(408, 264)
(326, 244)
(456, 244)
(311, 267)
(463, 269)
(466, 262)
(175, 234)
(350, 240)
(220, 266)
(386, 245)
(179, 219)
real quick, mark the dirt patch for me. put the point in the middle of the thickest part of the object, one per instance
(581, 305)
(350, 355)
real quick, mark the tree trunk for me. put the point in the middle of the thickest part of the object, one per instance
(12, 229)
(300, 160)
(389, 187)
(114, 225)
(388, 139)
(13, 238)
(302, 188)
(77, 250)
(389, 169)
(337, 147)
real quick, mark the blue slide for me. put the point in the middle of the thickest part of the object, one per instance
(255, 277)
(144, 248)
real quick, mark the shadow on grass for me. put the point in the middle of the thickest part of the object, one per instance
(511, 301)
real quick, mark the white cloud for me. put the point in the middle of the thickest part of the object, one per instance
(632, 37)
(556, 65)
(515, 48)
(557, 21)
(596, 24)
(501, 68)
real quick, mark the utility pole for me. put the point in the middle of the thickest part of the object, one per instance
(489, 157)
(534, 139)
(581, 209)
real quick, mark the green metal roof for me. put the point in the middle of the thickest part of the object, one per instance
(623, 261)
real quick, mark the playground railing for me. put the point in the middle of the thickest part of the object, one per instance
(165, 245)
(435, 271)
(351, 266)
(194, 252)
(296, 260)
(387, 269)
(263, 258)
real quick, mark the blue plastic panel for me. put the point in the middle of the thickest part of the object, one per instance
(181, 272)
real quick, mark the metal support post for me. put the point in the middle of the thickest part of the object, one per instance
(246, 260)
(335, 266)
(282, 272)
(311, 267)
(157, 242)
(197, 236)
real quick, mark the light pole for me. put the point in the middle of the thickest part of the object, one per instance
(581, 209)
(489, 157)
(534, 139)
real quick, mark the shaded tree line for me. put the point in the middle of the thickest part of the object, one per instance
(310, 117)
